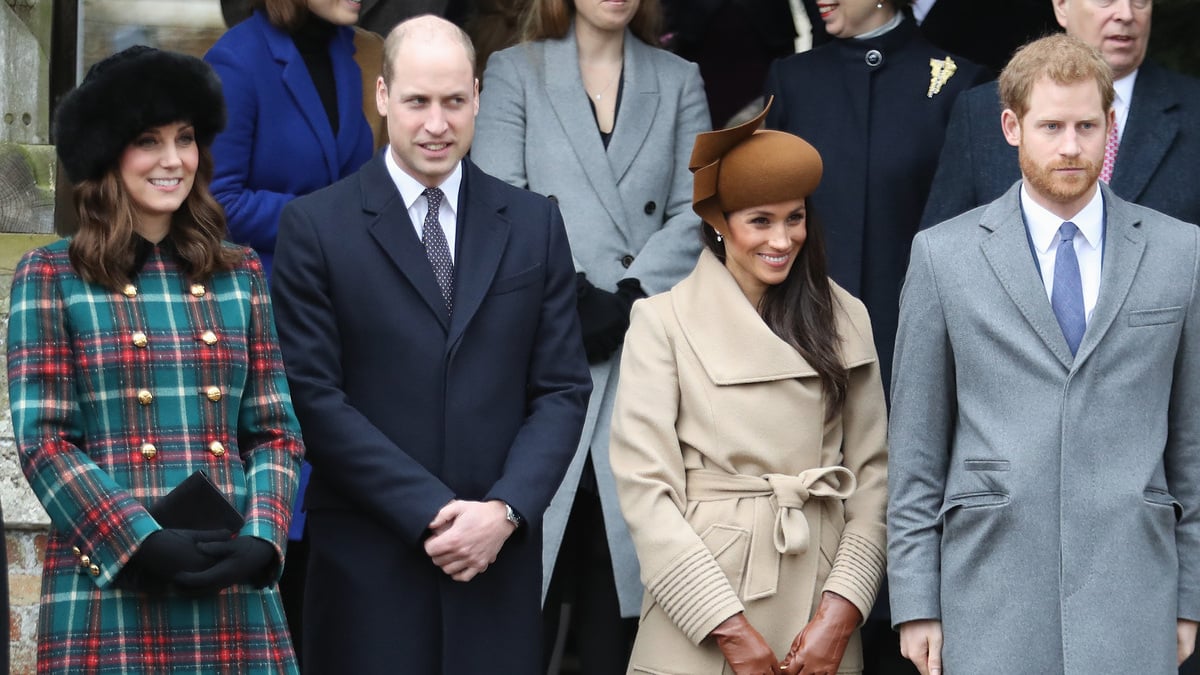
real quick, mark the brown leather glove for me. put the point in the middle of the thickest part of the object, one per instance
(818, 649)
(744, 648)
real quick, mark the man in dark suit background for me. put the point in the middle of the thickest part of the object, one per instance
(427, 317)
(1158, 124)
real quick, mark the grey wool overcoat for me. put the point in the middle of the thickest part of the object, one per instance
(1044, 507)
(627, 209)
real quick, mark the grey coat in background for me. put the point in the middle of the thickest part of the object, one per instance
(628, 210)
(1047, 507)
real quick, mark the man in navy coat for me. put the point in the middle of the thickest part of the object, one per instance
(1158, 124)
(427, 317)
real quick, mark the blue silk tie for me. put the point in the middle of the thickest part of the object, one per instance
(1066, 296)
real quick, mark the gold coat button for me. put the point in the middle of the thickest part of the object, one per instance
(213, 393)
(76, 552)
(94, 570)
(145, 397)
(130, 291)
(209, 337)
(216, 448)
(198, 290)
(149, 451)
(85, 561)
(140, 339)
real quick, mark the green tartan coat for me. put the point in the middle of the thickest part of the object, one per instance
(116, 398)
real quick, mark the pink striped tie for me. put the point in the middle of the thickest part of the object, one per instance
(1110, 153)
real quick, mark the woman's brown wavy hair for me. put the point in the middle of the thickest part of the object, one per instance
(103, 251)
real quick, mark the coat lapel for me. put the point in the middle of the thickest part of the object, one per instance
(639, 104)
(1007, 252)
(733, 343)
(570, 102)
(1124, 244)
(304, 94)
(482, 235)
(1150, 133)
(719, 324)
(393, 230)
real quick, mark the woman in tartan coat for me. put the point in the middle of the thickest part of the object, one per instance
(139, 352)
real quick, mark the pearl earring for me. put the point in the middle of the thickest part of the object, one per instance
(720, 238)
(879, 5)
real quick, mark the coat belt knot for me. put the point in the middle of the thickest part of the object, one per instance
(786, 495)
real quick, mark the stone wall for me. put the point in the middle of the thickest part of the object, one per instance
(24, 518)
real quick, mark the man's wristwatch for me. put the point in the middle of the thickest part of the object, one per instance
(512, 516)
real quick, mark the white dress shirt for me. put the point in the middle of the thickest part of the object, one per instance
(1124, 89)
(411, 191)
(1089, 244)
(920, 9)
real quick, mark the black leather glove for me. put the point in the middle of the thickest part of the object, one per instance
(604, 316)
(242, 560)
(166, 554)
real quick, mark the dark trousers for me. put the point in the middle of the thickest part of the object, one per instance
(881, 650)
(582, 616)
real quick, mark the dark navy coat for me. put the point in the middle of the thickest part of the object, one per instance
(404, 409)
(864, 105)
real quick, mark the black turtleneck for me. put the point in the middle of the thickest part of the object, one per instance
(312, 40)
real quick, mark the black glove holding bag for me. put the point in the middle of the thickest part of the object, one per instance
(165, 555)
(241, 560)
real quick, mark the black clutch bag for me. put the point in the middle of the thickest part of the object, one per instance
(194, 504)
(197, 504)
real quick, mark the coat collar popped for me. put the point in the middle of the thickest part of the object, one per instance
(732, 342)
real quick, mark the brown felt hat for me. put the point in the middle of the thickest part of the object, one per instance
(745, 166)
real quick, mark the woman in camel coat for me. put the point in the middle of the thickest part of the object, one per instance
(752, 477)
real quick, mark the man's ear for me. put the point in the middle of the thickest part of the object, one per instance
(1011, 126)
(381, 96)
(1060, 12)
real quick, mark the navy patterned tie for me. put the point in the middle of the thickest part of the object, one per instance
(1066, 296)
(436, 248)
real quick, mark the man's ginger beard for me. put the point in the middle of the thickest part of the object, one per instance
(1062, 188)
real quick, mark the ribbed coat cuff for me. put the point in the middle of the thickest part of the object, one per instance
(858, 570)
(695, 593)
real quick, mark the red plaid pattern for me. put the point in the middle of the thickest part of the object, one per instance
(76, 371)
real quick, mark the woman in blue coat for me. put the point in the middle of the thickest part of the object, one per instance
(296, 124)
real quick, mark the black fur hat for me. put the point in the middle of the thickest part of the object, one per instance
(127, 93)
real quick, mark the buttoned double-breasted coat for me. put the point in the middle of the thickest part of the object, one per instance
(740, 494)
(1046, 507)
(117, 397)
(627, 210)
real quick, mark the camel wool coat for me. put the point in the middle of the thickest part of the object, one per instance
(739, 494)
